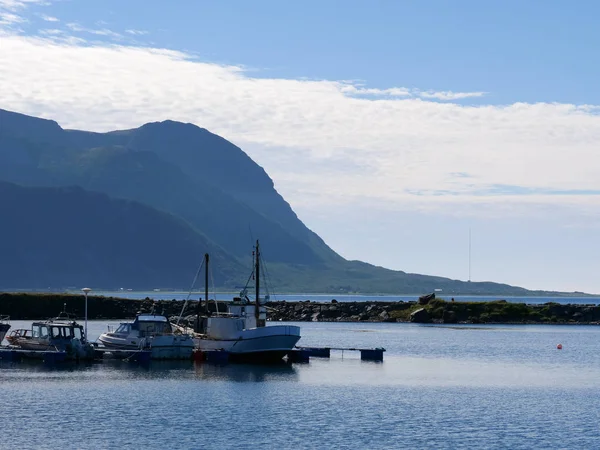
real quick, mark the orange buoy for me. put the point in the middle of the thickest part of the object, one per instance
(559, 346)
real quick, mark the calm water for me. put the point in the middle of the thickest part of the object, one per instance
(439, 387)
(347, 298)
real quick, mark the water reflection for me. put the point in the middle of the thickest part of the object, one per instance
(245, 373)
(116, 369)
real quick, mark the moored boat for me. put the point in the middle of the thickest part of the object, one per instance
(239, 327)
(149, 332)
(61, 335)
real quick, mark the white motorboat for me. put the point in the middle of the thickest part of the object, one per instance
(149, 332)
(239, 327)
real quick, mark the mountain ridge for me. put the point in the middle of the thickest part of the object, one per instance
(208, 184)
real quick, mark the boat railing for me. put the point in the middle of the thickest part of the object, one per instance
(4, 318)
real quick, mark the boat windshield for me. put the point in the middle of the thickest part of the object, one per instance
(148, 327)
(65, 332)
(124, 328)
(40, 331)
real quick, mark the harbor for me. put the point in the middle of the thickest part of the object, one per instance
(218, 332)
(490, 377)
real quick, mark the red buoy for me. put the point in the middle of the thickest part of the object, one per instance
(559, 346)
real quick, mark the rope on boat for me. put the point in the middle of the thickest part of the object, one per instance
(190, 292)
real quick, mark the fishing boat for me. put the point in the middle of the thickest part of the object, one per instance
(239, 327)
(4, 327)
(61, 335)
(149, 332)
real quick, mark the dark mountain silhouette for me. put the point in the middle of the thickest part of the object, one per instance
(58, 237)
(203, 192)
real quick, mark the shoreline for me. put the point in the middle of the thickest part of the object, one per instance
(35, 306)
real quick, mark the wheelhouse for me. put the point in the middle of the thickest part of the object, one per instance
(51, 330)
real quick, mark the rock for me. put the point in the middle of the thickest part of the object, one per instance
(420, 316)
(334, 301)
(424, 299)
(298, 307)
(449, 317)
(370, 308)
(316, 317)
(384, 315)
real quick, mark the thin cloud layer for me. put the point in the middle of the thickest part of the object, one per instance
(393, 147)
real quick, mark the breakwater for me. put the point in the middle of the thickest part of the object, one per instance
(32, 306)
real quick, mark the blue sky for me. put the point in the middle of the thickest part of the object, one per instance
(516, 51)
(391, 127)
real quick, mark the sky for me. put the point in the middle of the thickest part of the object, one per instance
(393, 128)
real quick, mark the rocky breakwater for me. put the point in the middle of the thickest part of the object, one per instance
(37, 306)
(428, 309)
(434, 311)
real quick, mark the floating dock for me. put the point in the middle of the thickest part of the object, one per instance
(366, 354)
(10, 354)
(297, 355)
(140, 356)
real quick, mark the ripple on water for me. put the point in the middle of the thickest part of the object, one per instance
(437, 388)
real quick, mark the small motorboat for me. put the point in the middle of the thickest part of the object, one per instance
(149, 332)
(61, 334)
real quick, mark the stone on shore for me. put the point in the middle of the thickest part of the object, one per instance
(420, 316)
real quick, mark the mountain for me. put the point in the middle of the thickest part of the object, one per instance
(186, 191)
(59, 237)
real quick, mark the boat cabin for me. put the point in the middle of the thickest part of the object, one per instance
(57, 330)
(150, 325)
(225, 318)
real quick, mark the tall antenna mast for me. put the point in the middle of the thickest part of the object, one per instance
(469, 254)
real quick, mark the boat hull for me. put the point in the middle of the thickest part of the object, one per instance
(266, 344)
(161, 347)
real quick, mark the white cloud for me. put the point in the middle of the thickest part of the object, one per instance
(14, 5)
(136, 32)
(10, 14)
(49, 18)
(73, 26)
(449, 95)
(324, 142)
(8, 19)
(358, 90)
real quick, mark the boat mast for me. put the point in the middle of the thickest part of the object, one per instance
(206, 280)
(257, 276)
(199, 308)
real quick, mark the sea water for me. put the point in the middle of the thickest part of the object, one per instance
(458, 386)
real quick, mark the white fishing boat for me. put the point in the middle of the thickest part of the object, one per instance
(149, 332)
(239, 327)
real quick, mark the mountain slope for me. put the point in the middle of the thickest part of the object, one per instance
(192, 191)
(61, 237)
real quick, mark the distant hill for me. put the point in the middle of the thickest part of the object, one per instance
(172, 191)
